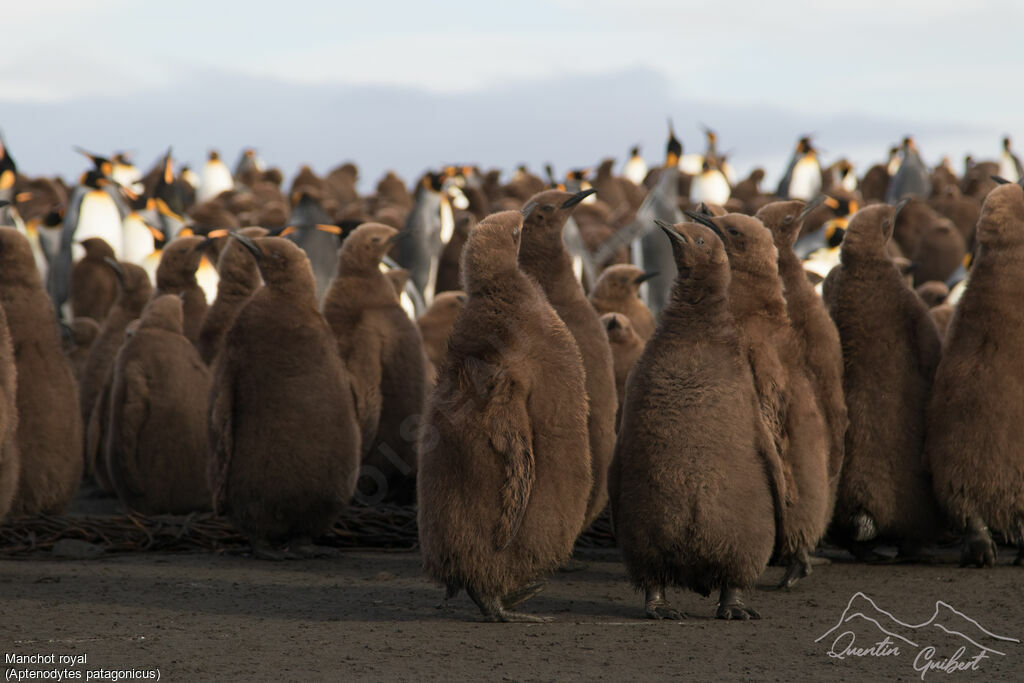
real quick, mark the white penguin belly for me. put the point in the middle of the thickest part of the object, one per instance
(216, 178)
(691, 164)
(710, 187)
(98, 217)
(635, 171)
(138, 240)
(805, 183)
(206, 276)
(1008, 169)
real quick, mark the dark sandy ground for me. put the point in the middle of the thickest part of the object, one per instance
(370, 615)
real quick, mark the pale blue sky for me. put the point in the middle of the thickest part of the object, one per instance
(933, 61)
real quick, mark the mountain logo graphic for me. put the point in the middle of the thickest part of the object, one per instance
(968, 641)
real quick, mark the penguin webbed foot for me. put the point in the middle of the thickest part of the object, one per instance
(979, 548)
(494, 610)
(799, 567)
(731, 607)
(517, 597)
(657, 607)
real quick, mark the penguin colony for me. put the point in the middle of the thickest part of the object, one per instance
(736, 375)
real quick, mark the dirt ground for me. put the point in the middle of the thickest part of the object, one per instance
(370, 615)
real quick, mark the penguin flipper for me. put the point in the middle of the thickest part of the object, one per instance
(508, 426)
(128, 410)
(777, 473)
(221, 435)
(771, 405)
(364, 370)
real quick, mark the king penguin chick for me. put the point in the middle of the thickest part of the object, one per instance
(697, 481)
(816, 334)
(239, 280)
(890, 352)
(543, 255)
(49, 422)
(383, 352)
(176, 274)
(627, 346)
(505, 463)
(975, 416)
(283, 434)
(157, 456)
(788, 404)
(10, 459)
(93, 283)
(81, 334)
(436, 325)
(618, 291)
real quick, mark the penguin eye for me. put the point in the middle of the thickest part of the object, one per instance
(734, 232)
(788, 219)
(548, 207)
(700, 240)
(376, 240)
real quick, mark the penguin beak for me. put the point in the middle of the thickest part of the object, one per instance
(213, 235)
(528, 209)
(999, 179)
(899, 207)
(706, 222)
(118, 270)
(811, 206)
(3, 203)
(248, 244)
(646, 276)
(577, 198)
(670, 230)
(394, 238)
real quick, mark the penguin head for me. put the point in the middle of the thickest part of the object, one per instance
(235, 263)
(634, 152)
(548, 212)
(618, 328)
(700, 256)
(97, 248)
(673, 149)
(933, 293)
(448, 303)
(620, 282)
(367, 245)
(1006, 143)
(804, 146)
(282, 263)
(1002, 217)
(179, 261)
(784, 220)
(747, 241)
(491, 252)
(134, 283)
(17, 264)
(163, 313)
(869, 231)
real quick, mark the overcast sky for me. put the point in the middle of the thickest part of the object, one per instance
(933, 61)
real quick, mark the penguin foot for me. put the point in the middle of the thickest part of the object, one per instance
(493, 610)
(979, 548)
(799, 567)
(731, 607)
(864, 527)
(450, 592)
(520, 595)
(572, 565)
(657, 607)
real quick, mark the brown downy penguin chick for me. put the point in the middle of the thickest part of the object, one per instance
(93, 283)
(176, 274)
(816, 334)
(618, 291)
(436, 325)
(504, 458)
(283, 434)
(239, 280)
(49, 422)
(626, 349)
(939, 252)
(135, 290)
(543, 255)
(10, 459)
(788, 404)
(942, 315)
(697, 483)
(976, 414)
(156, 454)
(383, 352)
(932, 293)
(890, 352)
(81, 334)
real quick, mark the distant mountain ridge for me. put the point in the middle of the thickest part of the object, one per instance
(571, 121)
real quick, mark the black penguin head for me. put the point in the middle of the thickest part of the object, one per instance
(1006, 143)
(747, 241)
(101, 165)
(674, 148)
(634, 151)
(804, 146)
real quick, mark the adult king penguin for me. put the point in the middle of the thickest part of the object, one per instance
(802, 179)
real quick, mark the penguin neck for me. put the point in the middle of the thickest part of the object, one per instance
(867, 262)
(359, 289)
(790, 268)
(551, 267)
(756, 293)
(238, 282)
(695, 306)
